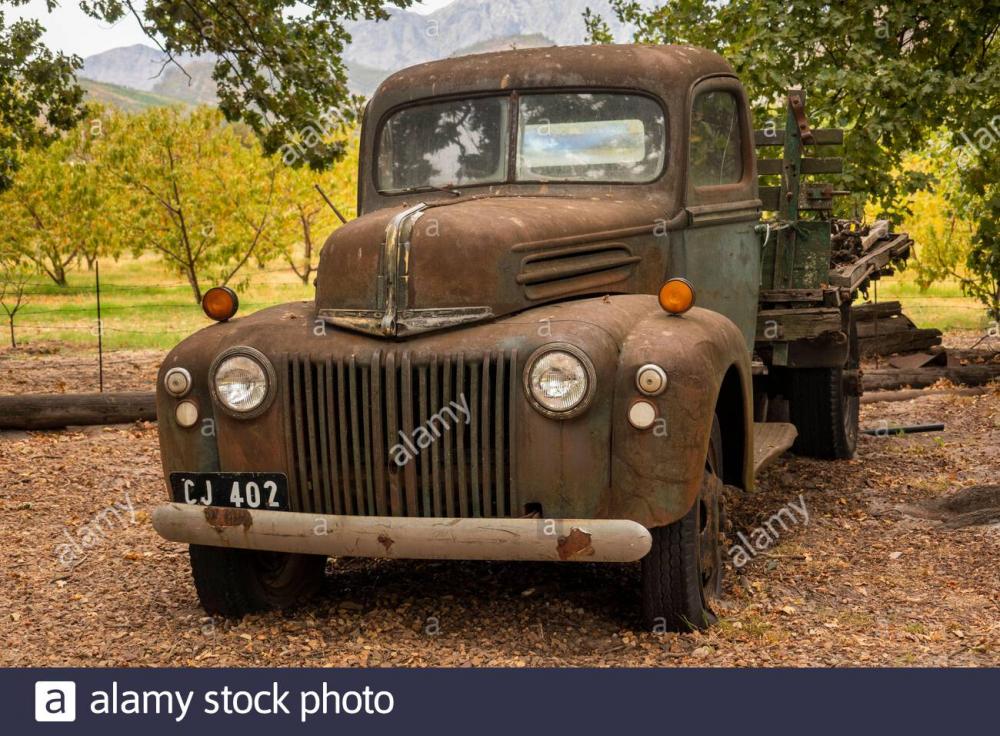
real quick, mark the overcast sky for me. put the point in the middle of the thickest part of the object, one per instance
(70, 30)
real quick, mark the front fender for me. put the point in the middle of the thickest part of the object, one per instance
(656, 473)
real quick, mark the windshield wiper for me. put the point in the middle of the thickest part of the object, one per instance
(449, 188)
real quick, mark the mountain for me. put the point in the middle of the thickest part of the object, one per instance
(128, 66)
(125, 98)
(377, 49)
(408, 38)
(109, 75)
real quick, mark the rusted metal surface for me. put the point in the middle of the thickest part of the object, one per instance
(499, 249)
(425, 300)
(556, 540)
(220, 518)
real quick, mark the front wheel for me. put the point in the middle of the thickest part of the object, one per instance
(235, 582)
(682, 574)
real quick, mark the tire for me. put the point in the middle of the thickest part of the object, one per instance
(825, 416)
(682, 574)
(824, 411)
(235, 582)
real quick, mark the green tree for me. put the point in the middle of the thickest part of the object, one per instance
(306, 220)
(59, 208)
(38, 92)
(199, 193)
(14, 276)
(278, 63)
(894, 73)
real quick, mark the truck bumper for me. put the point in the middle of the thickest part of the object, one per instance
(558, 540)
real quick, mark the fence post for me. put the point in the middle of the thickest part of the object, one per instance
(100, 327)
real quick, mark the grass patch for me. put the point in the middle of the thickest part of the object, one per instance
(143, 305)
(942, 305)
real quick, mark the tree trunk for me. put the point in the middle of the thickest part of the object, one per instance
(195, 288)
(53, 411)
(13, 342)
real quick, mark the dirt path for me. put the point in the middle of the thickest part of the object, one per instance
(860, 584)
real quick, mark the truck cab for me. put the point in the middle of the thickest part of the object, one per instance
(539, 340)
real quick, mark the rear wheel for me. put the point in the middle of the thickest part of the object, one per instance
(234, 582)
(824, 407)
(682, 574)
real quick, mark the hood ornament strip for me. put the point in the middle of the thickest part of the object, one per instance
(391, 317)
(394, 266)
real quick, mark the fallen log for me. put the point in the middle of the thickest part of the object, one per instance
(879, 397)
(907, 341)
(54, 411)
(967, 375)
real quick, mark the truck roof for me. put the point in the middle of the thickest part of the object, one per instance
(665, 71)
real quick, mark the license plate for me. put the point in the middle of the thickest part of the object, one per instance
(265, 491)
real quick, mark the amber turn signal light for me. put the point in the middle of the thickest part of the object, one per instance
(220, 303)
(676, 296)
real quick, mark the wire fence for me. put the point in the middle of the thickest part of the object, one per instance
(159, 315)
(72, 333)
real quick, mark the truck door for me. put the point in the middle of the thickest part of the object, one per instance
(719, 251)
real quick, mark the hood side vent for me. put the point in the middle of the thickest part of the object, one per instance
(576, 269)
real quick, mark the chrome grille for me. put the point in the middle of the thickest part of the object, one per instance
(343, 419)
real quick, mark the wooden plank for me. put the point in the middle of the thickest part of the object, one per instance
(770, 440)
(887, 326)
(770, 197)
(919, 360)
(967, 375)
(852, 274)
(869, 310)
(771, 296)
(53, 411)
(772, 166)
(796, 324)
(821, 137)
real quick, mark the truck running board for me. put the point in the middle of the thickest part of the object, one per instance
(770, 440)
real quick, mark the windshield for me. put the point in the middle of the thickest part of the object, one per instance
(589, 137)
(583, 137)
(444, 144)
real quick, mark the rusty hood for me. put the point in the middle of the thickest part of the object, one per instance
(425, 266)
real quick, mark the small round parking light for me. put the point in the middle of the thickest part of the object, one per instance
(676, 296)
(642, 414)
(186, 414)
(220, 303)
(177, 382)
(651, 379)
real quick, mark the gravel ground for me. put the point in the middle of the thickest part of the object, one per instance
(860, 584)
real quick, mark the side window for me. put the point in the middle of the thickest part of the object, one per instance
(716, 142)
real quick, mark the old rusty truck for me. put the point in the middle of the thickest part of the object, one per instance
(556, 330)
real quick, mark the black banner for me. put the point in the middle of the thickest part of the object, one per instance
(488, 701)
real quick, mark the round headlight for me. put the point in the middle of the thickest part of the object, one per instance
(242, 381)
(559, 379)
